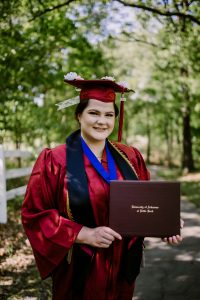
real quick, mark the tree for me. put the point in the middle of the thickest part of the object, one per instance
(180, 21)
(39, 44)
(184, 9)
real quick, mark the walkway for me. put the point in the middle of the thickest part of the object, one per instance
(173, 272)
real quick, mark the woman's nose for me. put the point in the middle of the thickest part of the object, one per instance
(101, 120)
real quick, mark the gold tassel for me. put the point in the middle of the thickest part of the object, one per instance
(69, 255)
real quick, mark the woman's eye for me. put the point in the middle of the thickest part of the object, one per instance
(93, 113)
(109, 115)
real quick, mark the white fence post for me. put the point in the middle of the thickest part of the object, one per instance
(3, 199)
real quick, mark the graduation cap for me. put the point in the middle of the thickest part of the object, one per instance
(103, 89)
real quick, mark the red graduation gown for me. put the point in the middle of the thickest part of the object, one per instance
(52, 233)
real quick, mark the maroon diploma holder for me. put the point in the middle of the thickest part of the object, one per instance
(145, 208)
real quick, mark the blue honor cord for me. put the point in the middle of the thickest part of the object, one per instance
(109, 175)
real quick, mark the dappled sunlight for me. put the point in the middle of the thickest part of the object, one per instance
(190, 177)
(7, 280)
(172, 272)
(152, 243)
(190, 216)
(192, 231)
(182, 278)
(19, 278)
(185, 257)
(17, 262)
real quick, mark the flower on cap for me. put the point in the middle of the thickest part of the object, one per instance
(72, 76)
(108, 78)
(123, 84)
(79, 77)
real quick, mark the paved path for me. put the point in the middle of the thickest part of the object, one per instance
(173, 272)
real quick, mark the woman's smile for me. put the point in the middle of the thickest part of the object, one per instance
(99, 129)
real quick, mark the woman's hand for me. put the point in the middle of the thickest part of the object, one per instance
(176, 239)
(101, 237)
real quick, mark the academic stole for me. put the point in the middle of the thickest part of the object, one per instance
(78, 202)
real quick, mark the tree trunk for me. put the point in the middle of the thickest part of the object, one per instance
(187, 160)
(168, 137)
(19, 160)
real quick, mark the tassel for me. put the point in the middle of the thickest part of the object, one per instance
(69, 255)
(121, 117)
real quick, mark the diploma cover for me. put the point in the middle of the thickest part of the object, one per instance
(145, 208)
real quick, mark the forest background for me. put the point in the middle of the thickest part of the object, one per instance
(153, 45)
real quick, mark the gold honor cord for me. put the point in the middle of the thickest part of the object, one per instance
(124, 157)
(69, 213)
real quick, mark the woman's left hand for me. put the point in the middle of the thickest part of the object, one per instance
(176, 239)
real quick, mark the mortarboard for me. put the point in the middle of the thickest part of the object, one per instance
(103, 89)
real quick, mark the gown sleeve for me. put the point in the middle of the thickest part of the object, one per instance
(51, 234)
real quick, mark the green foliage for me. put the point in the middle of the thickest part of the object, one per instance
(191, 190)
(162, 64)
(35, 52)
(179, 90)
(158, 54)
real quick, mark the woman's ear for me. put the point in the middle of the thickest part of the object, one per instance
(78, 117)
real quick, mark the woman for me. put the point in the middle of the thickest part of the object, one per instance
(65, 211)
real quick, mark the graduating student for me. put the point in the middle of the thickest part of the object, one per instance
(66, 206)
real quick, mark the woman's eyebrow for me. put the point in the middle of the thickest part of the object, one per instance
(105, 112)
(94, 110)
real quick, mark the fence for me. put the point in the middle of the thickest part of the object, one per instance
(9, 174)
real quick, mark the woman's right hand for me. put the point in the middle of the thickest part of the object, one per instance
(101, 237)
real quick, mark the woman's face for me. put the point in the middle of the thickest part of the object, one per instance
(97, 120)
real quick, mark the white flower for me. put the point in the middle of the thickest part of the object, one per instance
(108, 78)
(72, 76)
(123, 84)
(79, 78)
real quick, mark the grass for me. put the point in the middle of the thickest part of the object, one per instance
(190, 189)
(169, 173)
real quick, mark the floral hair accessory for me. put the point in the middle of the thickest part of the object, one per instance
(108, 78)
(79, 78)
(123, 84)
(68, 102)
(72, 76)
